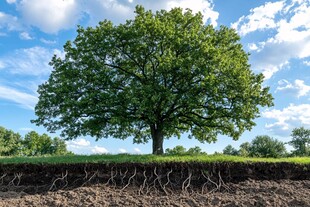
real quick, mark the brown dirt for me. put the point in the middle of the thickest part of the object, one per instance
(155, 184)
(247, 193)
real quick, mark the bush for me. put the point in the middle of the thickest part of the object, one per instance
(230, 150)
(300, 141)
(180, 150)
(265, 146)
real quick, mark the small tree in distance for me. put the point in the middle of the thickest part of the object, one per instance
(10, 142)
(154, 77)
(265, 146)
(180, 150)
(244, 149)
(230, 150)
(300, 141)
(35, 144)
(177, 150)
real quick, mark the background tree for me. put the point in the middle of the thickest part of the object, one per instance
(244, 149)
(180, 150)
(36, 145)
(230, 150)
(265, 146)
(195, 150)
(177, 150)
(59, 147)
(154, 77)
(10, 142)
(300, 141)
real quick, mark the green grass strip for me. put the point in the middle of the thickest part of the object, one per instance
(127, 158)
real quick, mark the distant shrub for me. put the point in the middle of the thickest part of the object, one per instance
(180, 150)
(230, 150)
(265, 146)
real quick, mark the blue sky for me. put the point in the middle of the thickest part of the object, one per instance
(276, 33)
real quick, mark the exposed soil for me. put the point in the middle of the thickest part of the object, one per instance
(247, 193)
(169, 184)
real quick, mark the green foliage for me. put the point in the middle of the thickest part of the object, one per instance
(156, 76)
(59, 147)
(35, 145)
(300, 141)
(230, 150)
(10, 142)
(180, 150)
(125, 158)
(265, 146)
(177, 150)
(195, 151)
(244, 149)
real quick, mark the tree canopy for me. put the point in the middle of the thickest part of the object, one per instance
(156, 76)
(32, 144)
(230, 150)
(10, 142)
(266, 146)
(300, 141)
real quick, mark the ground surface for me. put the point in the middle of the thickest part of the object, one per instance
(246, 193)
(155, 184)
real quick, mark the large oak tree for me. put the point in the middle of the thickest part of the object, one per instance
(156, 76)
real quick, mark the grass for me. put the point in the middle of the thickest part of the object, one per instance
(123, 158)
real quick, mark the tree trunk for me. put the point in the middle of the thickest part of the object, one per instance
(158, 139)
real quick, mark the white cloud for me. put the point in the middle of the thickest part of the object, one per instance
(49, 42)
(288, 118)
(253, 46)
(30, 61)
(121, 150)
(137, 150)
(25, 36)
(27, 129)
(9, 22)
(23, 99)
(298, 88)
(56, 15)
(203, 6)
(79, 143)
(10, 1)
(2, 65)
(307, 63)
(98, 10)
(50, 16)
(288, 26)
(83, 146)
(99, 150)
(262, 17)
(256, 46)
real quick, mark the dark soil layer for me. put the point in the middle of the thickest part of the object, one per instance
(281, 193)
(155, 184)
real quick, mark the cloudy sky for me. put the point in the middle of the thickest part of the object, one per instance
(276, 33)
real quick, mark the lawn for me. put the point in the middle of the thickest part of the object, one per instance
(125, 158)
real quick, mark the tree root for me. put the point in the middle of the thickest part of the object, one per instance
(16, 176)
(188, 180)
(2, 177)
(123, 175)
(112, 177)
(144, 183)
(168, 179)
(218, 186)
(91, 177)
(129, 180)
(64, 176)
